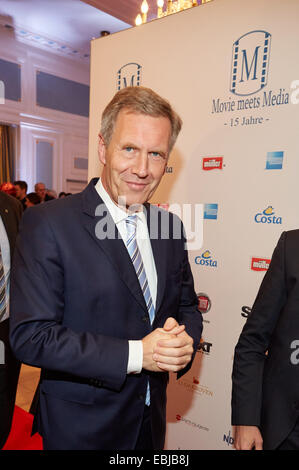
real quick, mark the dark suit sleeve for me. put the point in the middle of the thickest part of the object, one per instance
(189, 315)
(250, 351)
(38, 333)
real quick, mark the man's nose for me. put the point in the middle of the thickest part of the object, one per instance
(141, 165)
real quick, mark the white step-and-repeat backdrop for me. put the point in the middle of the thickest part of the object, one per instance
(231, 70)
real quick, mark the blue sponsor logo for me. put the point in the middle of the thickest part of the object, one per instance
(210, 211)
(274, 161)
(228, 439)
(205, 259)
(267, 217)
(129, 75)
(250, 63)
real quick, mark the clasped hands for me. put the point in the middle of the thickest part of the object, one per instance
(167, 349)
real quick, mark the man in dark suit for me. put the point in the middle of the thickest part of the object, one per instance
(10, 214)
(265, 396)
(104, 300)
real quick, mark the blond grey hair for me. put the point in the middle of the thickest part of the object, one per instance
(139, 100)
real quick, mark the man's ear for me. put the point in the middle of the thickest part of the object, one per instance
(102, 150)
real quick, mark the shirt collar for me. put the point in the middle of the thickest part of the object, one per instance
(118, 215)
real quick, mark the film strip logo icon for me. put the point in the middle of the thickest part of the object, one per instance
(129, 75)
(250, 63)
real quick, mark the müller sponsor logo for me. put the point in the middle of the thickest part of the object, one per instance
(212, 163)
(260, 264)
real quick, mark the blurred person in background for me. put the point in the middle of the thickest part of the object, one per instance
(41, 191)
(32, 199)
(8, 188)
(21, 191)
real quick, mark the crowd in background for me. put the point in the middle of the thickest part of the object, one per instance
(41, 194)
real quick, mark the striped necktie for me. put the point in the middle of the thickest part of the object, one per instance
(2, 289)
(131, 222)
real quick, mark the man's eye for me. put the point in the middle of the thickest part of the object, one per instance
(156, 155)
(129, 149)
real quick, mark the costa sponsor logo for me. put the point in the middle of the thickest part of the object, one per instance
(260, 264)
(205, 259)
(267, 217)
(212, 163)
(204, 302)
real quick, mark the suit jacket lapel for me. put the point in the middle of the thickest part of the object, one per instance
(97, 221)
(159, 247)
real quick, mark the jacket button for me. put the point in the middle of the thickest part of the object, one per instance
(145, 319)
(141, 397)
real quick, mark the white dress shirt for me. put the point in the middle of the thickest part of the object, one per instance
(5, 251)
(143, 241)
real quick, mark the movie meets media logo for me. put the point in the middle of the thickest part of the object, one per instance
(251, 57)
(250, 63)
(129, 75)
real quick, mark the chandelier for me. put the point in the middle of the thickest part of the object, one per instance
(171, 7)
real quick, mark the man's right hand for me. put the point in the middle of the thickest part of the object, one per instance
(149, 343)
(247, 437)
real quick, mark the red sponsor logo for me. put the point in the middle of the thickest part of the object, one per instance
(260, 264)
(204, 302)
(212, 163)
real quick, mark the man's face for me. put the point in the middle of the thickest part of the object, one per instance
(19, 192)
(40, 190)
(136, 157)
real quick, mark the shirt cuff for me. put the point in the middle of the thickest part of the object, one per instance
(135, 357)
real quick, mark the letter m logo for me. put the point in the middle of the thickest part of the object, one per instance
(129, 75)
(250, 63)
